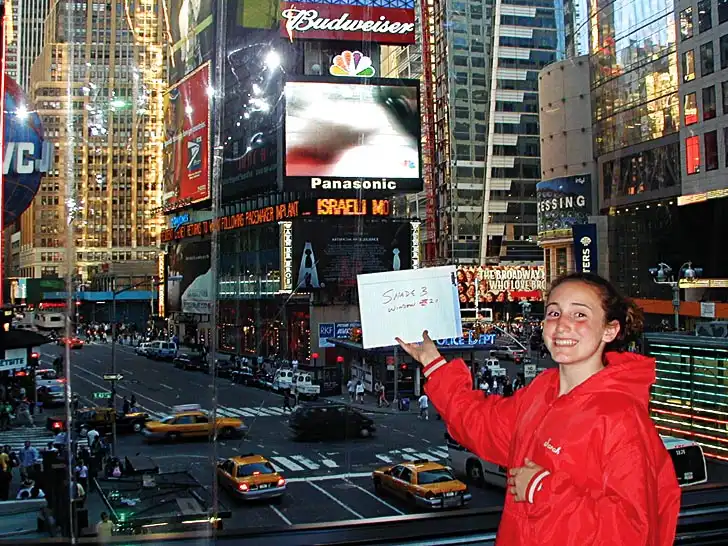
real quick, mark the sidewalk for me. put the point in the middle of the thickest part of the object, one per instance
(370, 405)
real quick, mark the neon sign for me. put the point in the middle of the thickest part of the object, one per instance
(468, 341)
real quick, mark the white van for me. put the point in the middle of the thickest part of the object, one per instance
(283, 379)
(162, 350)
(304, 386)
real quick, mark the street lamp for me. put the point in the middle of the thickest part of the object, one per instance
(663, 274)
(114, 293)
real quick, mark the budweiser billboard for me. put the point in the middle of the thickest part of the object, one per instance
(346, 22)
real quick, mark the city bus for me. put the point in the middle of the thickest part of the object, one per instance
(687, 456)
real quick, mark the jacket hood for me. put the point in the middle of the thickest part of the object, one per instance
(626, 373)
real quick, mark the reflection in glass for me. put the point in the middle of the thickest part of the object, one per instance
(709, 102)
(686, 23)
(688, 65)
(705, 15)
(724, 94)
(692, 154)
(690, 109)
(710, 140)
(706, 59)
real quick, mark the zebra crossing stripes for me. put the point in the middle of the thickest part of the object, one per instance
(16, 437)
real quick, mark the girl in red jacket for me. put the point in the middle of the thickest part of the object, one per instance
(586, 465)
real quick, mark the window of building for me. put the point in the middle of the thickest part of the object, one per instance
(724, 92)
(705, 14)
(724, 51)
(706, 59)
(688, 65)
(709, 102)
(692, 154)
(686, 23)
(710, 140)
(690, 109)
(725, 146)
(722, 11)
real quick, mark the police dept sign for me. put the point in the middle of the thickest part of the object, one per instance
(561, 203)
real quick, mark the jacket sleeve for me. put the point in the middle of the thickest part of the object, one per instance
(631, 506)
(483, 424)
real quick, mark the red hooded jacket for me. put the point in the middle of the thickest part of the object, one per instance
(610, 480)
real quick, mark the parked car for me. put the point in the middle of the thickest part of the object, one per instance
(72, 342)
(244, 375)
(223, 368)
(263, 380)
(162, 350)
(510, 352)
(304, 386)
(53, 396)
(142, 349)
(192, 361)
(326, 420)
(283, 379)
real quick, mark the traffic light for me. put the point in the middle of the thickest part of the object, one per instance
(34, 360)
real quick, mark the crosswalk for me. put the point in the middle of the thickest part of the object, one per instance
(16, 437)
(227, 411)
(320, 461)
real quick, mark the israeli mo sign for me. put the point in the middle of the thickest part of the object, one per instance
(405, 303)
(347, 22)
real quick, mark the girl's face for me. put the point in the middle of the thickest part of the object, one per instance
(575, 329)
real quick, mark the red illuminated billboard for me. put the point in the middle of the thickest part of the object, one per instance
(187, 141)
(313, 21)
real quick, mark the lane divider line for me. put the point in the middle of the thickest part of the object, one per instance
(337, 501)
(372, 495)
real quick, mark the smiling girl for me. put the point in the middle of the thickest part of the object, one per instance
(586, 465)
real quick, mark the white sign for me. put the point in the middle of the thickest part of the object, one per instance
(15, 359)
(287, 256)
(326, 330)
(529, 370)
(707, 309)
(405, 303)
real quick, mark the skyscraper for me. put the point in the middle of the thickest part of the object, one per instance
(104, 185)
(27, 41)
(486, 60)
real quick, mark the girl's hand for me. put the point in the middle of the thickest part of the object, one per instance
(519, 478)
(424, 352)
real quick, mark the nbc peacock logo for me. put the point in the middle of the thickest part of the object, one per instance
(352, 63)
(585, 241)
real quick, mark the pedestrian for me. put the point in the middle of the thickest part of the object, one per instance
(424, 404)
(133, 402)
(359, 392)
(578, 440)
(351, 388)
(27, 456)
(5, 411)
(82, 474)
(92, 436)
(75, 401)
(383, 396)
(287, 399)
(125, 406)
(6, 476)
(104, 528)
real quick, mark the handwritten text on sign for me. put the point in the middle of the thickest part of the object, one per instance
(404, 303)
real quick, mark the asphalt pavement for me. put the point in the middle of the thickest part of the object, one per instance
(327, 480)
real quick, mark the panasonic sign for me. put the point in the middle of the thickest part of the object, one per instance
(339, 184)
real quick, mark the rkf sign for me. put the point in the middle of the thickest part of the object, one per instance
(347, 22)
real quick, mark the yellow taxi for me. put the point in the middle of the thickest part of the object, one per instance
(250, 477)
(191, 421)
(424, 484)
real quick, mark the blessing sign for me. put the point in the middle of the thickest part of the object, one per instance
(405, 303)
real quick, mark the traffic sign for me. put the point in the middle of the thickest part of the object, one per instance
(113, 377)
(529, 370)
(102, 395)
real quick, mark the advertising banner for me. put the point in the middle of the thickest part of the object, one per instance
(562, 203)
(347, 22)
(333, 252)
(189, 278)
(14, 359)
(334, 130)
(192, 34)
(500, 283)
(585, 248)
(187, 141)
(326, 331)
(255, 167)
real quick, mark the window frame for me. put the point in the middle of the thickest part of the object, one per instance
(707, 59)
(713, 165)
(709, 114)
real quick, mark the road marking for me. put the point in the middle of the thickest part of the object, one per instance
(438, 453)
(384, 458)
(280, 514)
(79, 369)
(416, 453)
(272, 410)
(226, 413)
(239, 412)
(305, 462)
(97, 360)
(277, 468)
(337, 501)
(166, 386)
(127, 371)
(385, 503)
(408, 457)
(331, 477)
(426, 441)
(288, 463)
(329, 463)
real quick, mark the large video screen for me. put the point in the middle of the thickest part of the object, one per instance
(189, 278)
(187, 141)
(349, 137)
(191, 33)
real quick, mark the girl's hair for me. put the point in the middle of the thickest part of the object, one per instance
(616, 307)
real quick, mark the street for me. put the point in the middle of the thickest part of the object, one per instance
(327, 481)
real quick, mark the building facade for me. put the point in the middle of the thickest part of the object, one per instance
(97, 203)
(486, 63)
(27, 39)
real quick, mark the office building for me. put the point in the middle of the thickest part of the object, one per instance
(26, 42)
(106, 170)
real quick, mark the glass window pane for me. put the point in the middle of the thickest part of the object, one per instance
(722, 11)
(711, 150)
(709, 102)
(688, 65)
(704, 16)
(692, 154)
(724, 51)
(706, 59)
(724, 93)
(686, 23)
(690, 108)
